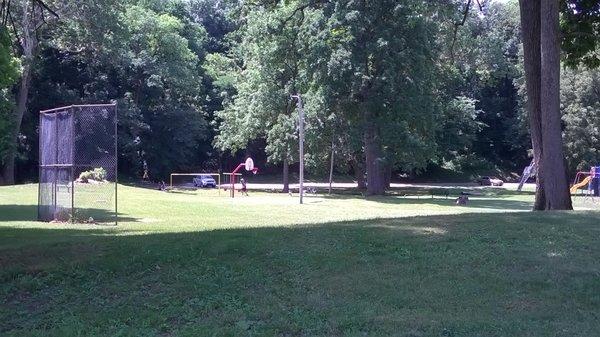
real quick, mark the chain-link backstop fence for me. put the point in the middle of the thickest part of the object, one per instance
(78, 164)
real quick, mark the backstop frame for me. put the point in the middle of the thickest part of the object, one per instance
(73, 165)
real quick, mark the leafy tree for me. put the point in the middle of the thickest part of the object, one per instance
(9, 72)
(149, 61)
(29, 18)
(580, 101)
(261, 72)
(480, 65)
(382, 71)
(580, 27)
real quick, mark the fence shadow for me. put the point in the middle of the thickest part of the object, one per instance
(30, 212)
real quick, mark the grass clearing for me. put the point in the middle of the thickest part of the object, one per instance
(192, 264)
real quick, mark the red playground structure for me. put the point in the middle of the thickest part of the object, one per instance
(249, 166)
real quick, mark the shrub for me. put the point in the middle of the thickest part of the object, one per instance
(97, 174)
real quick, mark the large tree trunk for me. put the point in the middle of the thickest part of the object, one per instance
(375, 164)
(286, 176)
(553, 165)
(388, 175)
(28, 43)
(359, 173)
(530, 28)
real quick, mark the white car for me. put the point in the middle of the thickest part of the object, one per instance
(204, 180)
(490, 181)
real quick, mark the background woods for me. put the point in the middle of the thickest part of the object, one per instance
(416, 88)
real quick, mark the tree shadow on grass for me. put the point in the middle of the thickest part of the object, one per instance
(462, 270)
(455, 191)
(474, 202)
(427, 190)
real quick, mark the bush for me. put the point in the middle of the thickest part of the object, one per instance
(97, 174)
(469, 163)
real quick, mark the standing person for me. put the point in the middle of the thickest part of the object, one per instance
(244, 189)
(145, 176)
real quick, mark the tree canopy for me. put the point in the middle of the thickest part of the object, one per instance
(390, 88)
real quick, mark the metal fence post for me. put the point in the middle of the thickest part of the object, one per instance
(72, 143)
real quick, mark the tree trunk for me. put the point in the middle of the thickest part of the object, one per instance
(286, 176)
(28, 43)
(374, 163)
(388, 176)
(359, 174)
(7, 173)
(530, 30)
(556, 185)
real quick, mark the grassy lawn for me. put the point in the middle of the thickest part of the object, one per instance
(196, 264)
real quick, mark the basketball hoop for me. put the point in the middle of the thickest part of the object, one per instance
(249, 164)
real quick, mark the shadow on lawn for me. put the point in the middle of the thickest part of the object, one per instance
(29, 213)
(428, 190)
(474, 202)
(351, 271)
(449, 221)
(20, 245)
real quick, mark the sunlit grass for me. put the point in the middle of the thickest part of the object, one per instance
(147, 210)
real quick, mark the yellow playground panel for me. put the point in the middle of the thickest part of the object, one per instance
(581, 184)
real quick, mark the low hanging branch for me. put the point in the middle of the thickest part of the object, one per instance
(8, 19)
(44, 6)
(6, 16)
(462, 23)
(300, 9)
(4, 12)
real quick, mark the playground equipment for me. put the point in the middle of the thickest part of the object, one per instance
(581, 184)
(249, 166)
(590, 179)
(529, 171)
(229, 179)
(78, 163)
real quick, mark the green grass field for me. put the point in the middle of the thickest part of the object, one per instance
(196, 264)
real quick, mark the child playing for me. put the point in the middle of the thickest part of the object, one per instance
(244, 189)
(463, 199)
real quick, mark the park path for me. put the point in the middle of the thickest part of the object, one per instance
(320, 186)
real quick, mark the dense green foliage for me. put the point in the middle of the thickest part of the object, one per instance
(580, 23)
(9, 71)
(580, 99)
(200, 81)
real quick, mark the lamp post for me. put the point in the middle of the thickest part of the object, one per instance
(301, 143)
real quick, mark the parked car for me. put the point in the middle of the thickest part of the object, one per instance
(204, 180)
(490, 181)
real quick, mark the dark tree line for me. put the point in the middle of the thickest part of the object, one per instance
(409, 87)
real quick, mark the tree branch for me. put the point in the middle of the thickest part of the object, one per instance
(480, 5)
(458, 24)
(298, 9)
(14, 27)
(43, 5)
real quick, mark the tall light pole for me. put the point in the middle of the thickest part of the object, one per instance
(301, 141)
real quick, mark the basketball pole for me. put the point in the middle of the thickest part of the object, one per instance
(301, 144)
